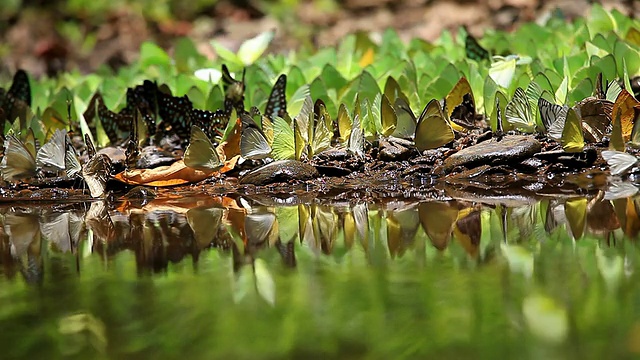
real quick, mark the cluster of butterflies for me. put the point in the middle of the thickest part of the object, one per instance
(151, 112)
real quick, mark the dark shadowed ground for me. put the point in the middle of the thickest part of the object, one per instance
(46, 38)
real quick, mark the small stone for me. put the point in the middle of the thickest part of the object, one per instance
(510, 150)
(280, 171)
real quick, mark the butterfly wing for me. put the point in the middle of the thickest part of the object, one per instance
(553, 117)
(96, 173)
(283, 146)
(518, 112)
(233, 90)
(18, 162)
(344, 123)
(406, 120)
(432, 130)
(254, 144)
(596, 118)
(112, 122)
(71, 161)
(356, 138)
(388, 117)
(473, 49)
(619, 162)
(51, 156)
(277, 103)
(625, 103)
(460, 104)
(572, 136)
(201, 154)
(176, 113)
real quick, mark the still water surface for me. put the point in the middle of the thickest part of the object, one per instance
(207, 277)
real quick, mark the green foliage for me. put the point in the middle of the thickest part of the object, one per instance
(559, 58)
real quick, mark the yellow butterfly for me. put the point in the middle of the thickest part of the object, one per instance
(344, 123)
(625, 103)
(433, 129)
(406, 120)
(572, 136)
(200, 153)
(616, 142)
(460, 105)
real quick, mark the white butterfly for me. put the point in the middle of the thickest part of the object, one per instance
(18, 161)
(51, 156)
(619, 162)
(356, 138)
(553, 117)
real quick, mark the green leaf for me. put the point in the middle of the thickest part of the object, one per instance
(227, 55)
(600, 21)
(151, 54)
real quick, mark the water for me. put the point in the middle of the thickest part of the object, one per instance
(212, 278)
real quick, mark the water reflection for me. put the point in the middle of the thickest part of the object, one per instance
(163, 232)
(413, 278)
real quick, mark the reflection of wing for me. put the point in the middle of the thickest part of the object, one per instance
(23, 229)
(205, 223)
(287, 251)
(258, 226)
(55, 228)
(437, 220)
(98, 220)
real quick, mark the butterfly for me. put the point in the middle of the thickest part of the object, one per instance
(596, 118)
(344, 123)
(609, 92)
(635, 133)
(200, 153)
(14, 102)
(288, 142)
(473, 49)
(143, 99)
(625, 103)
(572, 136)
(518, 112)
(433, 130)
(213, 123)
(553, 117)
(176, 113)
(356, 138)
(19, 160)
(112, 123)
(96, 171)
(406, 120)
(71, 162)
(277, 103)
(314, 127)
(388, 117)
(460, 105)
(51, 156)
(619, 162)
(233, 92)
(254, 143)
